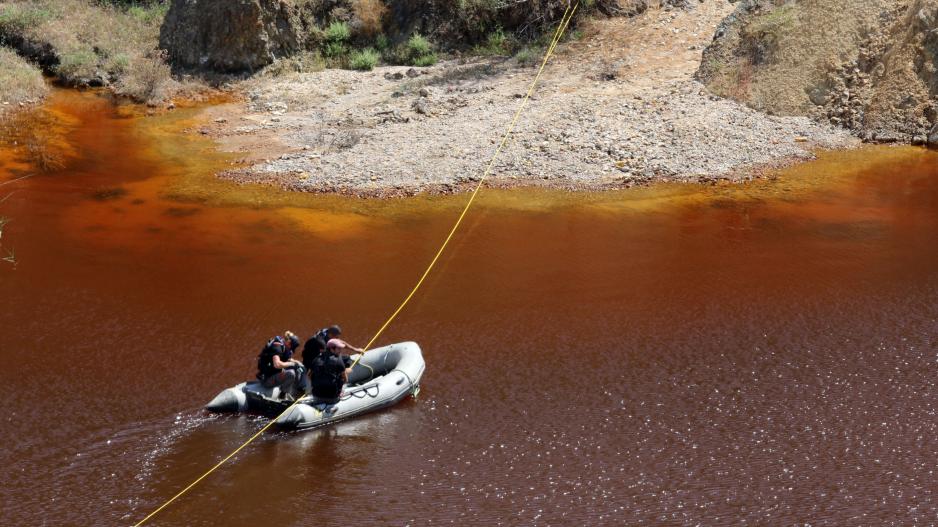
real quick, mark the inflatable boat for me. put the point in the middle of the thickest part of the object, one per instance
(383, 377)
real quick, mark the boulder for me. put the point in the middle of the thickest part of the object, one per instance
(228, 36)
(886, 137)
(933, 137)
(421, 107)
(623, 7)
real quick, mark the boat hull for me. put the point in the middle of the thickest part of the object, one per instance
(383, 377)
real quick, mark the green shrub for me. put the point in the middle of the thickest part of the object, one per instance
(154, 12)
(364, 60)
(417, 51)
(19, 17)
(336, 37)
(424, 60)
(334, 50)
(527, 57)
(418, 46)
(338, 32)
(496, 43)
(77, 64)
(382, 43)
(119, 63)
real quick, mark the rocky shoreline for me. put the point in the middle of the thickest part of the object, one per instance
(865, 65)
(618, 108)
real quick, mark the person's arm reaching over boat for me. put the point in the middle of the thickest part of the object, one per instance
(343, 347)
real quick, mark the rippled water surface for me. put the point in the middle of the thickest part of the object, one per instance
(762, 354)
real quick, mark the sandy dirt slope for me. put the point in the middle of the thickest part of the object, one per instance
(867, 65)
(616, 107)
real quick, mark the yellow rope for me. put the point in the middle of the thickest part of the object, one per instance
(17, 179)
(561, 29)
(558, 35)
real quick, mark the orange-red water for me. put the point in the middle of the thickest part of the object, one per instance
(763, 354)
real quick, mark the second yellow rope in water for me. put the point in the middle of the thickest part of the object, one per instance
(558, 35)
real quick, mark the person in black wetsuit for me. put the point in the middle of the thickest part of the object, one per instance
(327, 338)
(276, 366)
(327, 375)
(313, 347)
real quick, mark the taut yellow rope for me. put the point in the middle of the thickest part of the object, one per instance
(558, 35)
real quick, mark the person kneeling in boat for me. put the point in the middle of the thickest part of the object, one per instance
(326, 339)
(328, 373)
(276, 367)
(340, 347)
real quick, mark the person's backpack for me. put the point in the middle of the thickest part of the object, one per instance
(313, 347)
(265, 360)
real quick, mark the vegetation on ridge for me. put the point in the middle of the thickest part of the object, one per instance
(92, 43)
(115, 43)
(20, 81)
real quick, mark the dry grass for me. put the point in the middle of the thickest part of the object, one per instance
(370, 15)
(20, 81)
(42, 151)
(149, 80)
(95, 43)
(303, 62)
(38, 138)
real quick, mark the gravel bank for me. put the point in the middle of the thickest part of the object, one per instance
(618, 108)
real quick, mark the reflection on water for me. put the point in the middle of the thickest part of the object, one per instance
(674, 355)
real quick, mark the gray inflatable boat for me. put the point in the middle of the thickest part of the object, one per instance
(383, 377)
